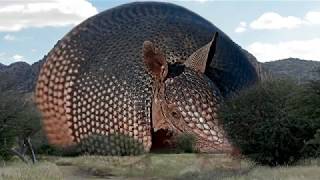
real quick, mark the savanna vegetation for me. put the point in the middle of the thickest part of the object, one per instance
(276, 122)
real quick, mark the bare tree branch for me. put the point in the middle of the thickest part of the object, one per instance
(21, 156)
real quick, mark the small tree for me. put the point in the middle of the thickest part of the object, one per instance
(19, 121)
(8, 109)
(266, 122)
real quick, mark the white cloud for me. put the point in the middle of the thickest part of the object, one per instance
(304, 49)
(2, 57)
(243, 23)
(2, 54)
(241, 28)
(272, 20)
(7, 59)
(19, 14)
(313, 17)
(9, 37)
(17, 57)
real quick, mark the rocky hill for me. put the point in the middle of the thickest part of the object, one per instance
(262, 72)
(19, 76)
(297, 69)
(2, 66)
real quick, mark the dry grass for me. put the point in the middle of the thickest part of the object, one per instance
(21, 171)
(157, 166)
(285, 173)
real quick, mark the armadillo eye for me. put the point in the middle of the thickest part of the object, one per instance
(175, 114)
(174, 111)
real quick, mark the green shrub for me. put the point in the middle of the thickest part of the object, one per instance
(312, 148)
(185, 143)
(112, 144)
(269, 122)
(306, 107)
(6, 143)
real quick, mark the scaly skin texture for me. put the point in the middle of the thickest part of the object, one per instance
(95, 83)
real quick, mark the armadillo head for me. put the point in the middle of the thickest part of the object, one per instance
(185, 100)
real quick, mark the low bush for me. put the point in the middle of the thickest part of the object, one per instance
(271, 122)
(312, 147)
(185, 143)
(6, 143)
(113, 144)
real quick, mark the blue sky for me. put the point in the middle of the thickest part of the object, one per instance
(270, 30)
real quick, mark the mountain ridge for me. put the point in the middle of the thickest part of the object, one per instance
(296, 69)
(2, 66)
(19, 76)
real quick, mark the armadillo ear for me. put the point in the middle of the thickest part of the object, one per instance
(200, 59)
(155, 61)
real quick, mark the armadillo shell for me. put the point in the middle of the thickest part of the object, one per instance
(93, 81)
